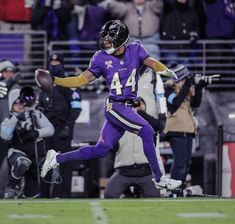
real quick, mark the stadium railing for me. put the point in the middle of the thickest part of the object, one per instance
(28, 50)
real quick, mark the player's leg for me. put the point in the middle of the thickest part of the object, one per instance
(124, 117)
(110, 135)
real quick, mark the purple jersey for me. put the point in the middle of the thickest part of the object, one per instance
(121, 74)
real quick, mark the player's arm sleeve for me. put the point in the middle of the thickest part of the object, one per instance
(160, 68)
(77, 81)
(152, 63)
(141, 52)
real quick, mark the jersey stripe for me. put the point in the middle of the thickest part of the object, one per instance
(121, 119)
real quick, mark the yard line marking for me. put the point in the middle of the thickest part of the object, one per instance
(98, 213)
(28, 216)
(112, 200)
(202, 215)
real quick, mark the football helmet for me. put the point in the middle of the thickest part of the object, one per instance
(113, 35)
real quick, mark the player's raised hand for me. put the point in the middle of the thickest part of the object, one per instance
(168, 73)
(3, 89)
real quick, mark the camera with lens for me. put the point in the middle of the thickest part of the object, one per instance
(26, 125)
(204, 79)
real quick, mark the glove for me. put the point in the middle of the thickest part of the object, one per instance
(189, 80)
(3, 89)
(30, 135)
(202, 83)
(64, 134)
(21, 116)
(168, 73)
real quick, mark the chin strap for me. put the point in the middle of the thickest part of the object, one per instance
(110, 50)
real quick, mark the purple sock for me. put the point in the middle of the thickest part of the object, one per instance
(147, 135)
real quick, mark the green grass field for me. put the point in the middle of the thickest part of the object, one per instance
(165, 211)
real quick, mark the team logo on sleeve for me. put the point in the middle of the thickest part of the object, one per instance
(109, 64)
(75, 95)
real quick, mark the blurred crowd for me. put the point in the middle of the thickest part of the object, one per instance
(147, 19)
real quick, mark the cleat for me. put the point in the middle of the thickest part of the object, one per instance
(50, 162)
(167, 183)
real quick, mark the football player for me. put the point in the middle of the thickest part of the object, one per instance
(119, 63)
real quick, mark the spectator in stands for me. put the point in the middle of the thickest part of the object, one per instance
(15, 16)
(179, 23)
(143, 19)
(9, 79)
(3, 89)
(53, 17)
(182, 95)
(24, 130)
(86, 21)
(131, 165)
(220, 24)
(6, 72)
(61, 107)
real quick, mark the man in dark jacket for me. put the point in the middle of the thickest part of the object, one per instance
(62, 107)
(180, 23)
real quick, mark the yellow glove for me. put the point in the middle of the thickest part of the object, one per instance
(168, 73)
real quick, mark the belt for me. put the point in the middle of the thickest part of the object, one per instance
(128, 103)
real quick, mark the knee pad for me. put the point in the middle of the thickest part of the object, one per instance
(146, 132)
(20, 166)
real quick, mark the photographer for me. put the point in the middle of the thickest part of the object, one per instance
(24, 130)
(7, 81)
(182, 95)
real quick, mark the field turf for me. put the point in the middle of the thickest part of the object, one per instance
(136, 211)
